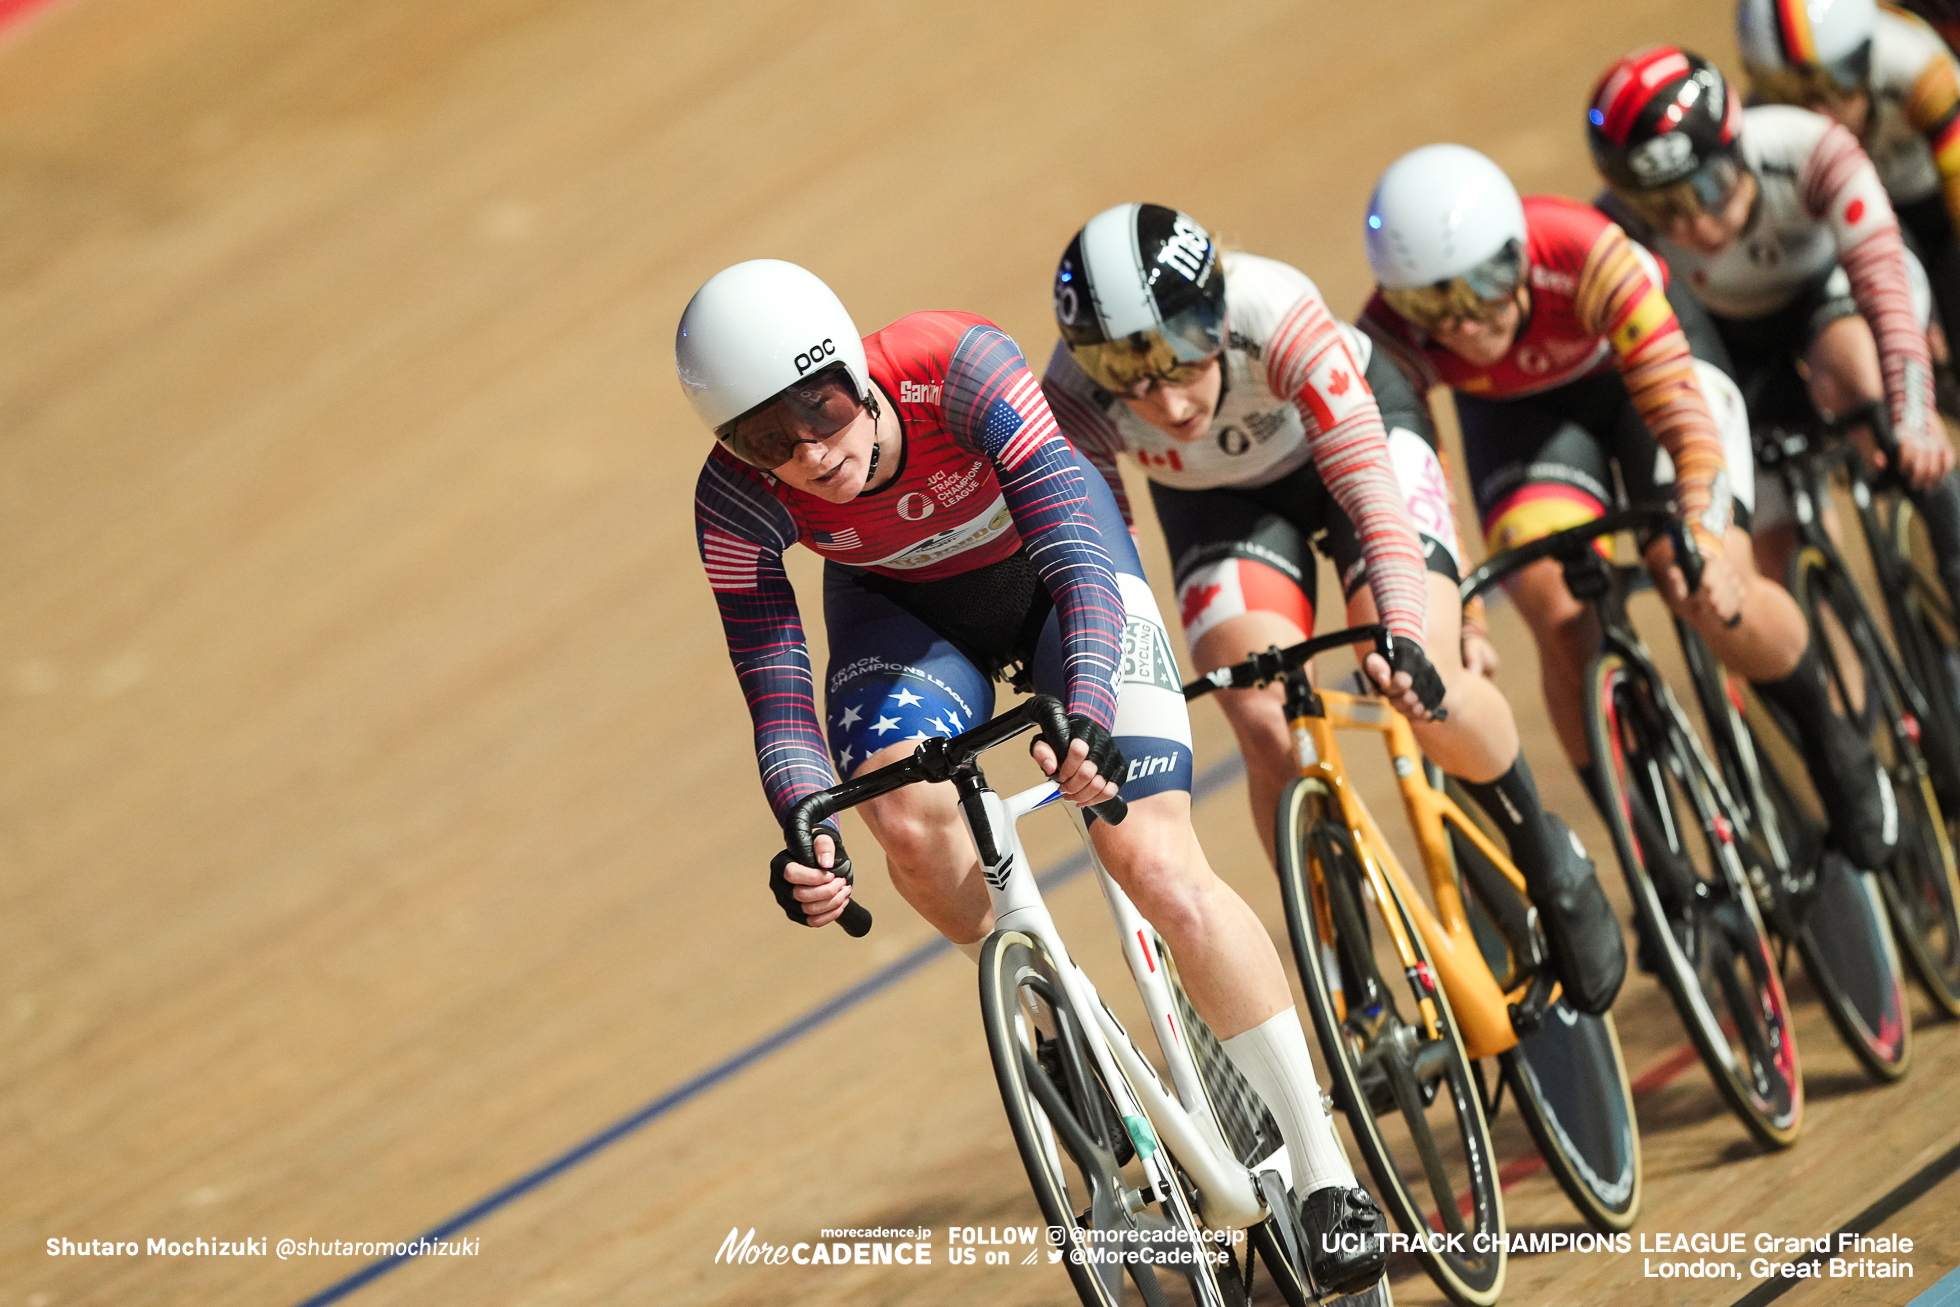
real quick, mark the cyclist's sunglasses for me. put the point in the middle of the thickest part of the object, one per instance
(814, 409)
(1479, 295)
(1814, 85)
(1175, 355)
(1707, 190)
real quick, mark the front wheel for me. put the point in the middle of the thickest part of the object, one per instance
(1105, 1187)
(1696, 908)
(1395, 1060)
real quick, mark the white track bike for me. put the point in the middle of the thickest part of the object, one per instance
(1152, 1193)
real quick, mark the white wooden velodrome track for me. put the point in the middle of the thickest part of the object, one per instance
(378, 822)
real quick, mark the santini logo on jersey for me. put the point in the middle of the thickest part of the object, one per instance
(911, 392)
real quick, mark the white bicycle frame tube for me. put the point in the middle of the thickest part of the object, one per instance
(1227, 1193)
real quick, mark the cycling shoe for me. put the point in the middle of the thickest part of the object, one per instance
(1350, 1221)
(1857, 793)
(1588, 952)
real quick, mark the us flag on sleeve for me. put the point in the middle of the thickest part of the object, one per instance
(730, 563)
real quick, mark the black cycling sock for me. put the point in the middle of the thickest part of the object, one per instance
(1511, 801)
(1939, 504)
(1804, 696)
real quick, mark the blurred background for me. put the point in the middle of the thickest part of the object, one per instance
(378, 814)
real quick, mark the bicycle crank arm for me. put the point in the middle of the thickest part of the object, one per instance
(1225, 1191)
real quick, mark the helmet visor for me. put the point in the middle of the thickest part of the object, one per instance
(814, 409)
(1480, 294)
(1707, 190)
(1176, 355)
(1815, 85)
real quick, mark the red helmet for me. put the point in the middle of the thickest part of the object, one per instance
(1666, 130)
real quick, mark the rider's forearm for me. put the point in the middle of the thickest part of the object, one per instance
(1842, 188)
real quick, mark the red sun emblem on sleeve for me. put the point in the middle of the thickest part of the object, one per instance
(1854, 211)
(1338, 383)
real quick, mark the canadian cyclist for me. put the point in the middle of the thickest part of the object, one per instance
(1778, 223)
(963, 538)
(1569, 363)
(1261, 421)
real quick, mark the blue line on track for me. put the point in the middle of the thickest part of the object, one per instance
(1946, 1293)
(1210, 782)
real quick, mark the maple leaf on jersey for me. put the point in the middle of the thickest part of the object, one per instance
(1197, 600)
(1338, 383)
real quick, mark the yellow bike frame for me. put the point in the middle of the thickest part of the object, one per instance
(1480, 1002)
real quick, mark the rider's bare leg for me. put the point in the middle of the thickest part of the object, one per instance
(1225, 958)
(1257, 717)
(1479, 741)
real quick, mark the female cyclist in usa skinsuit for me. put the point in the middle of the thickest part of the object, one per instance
(964, 538)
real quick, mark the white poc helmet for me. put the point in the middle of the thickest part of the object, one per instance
(1828, 36)
(757, 328)
(1439, 213)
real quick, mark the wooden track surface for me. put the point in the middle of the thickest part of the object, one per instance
(377, 813)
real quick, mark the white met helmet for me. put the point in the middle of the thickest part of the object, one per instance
(754, 330)
(1446, 233)
(1796, 50)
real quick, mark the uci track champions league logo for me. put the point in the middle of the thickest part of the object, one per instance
(1705, 1254)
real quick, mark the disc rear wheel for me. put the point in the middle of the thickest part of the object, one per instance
(1568, 1077)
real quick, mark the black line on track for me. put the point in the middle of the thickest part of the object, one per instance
(1903, 1195)
(1213, 779)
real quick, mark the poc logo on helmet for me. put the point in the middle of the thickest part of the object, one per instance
(814, 355)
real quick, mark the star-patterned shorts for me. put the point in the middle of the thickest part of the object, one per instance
(893, 679)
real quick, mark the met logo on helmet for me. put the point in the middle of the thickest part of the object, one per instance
(816, 354)
(1188, 250)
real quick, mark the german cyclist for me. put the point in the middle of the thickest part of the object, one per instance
(1569, 362)
(1778, 223)
(1261, 421)
(963, 538)
(1886, 77)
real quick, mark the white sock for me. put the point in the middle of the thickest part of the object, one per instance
(972, 950)
(1274, 1060)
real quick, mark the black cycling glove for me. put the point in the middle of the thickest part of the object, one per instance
(1103, 749)
(785, 890)
(1405, 655)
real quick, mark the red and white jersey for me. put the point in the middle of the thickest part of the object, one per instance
(1258, 434)
(1821, 204)
(1819, 195)
(1293, 391)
